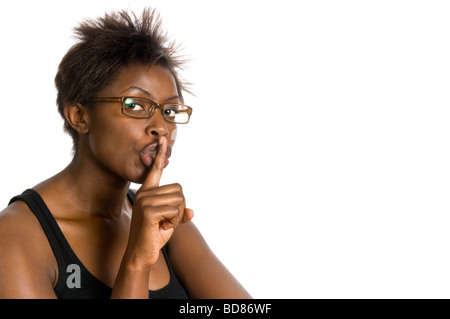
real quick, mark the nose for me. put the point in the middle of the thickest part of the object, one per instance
(157, 126)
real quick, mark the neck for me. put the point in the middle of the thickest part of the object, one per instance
(92, 190)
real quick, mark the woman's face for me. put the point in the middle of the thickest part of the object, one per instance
(121, 144)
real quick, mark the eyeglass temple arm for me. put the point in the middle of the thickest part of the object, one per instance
(111, 99)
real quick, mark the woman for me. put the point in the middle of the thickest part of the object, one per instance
(82, 233)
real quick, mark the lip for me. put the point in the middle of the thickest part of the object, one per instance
(147, 159)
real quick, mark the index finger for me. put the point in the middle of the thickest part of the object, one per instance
(154, 176)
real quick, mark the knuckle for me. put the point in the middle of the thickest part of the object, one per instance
(138, 201)
(141, 195)
(180, 197)
(146, 202)
(148, 211)
(178, 187)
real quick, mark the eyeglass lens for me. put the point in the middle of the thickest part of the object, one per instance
(142, 108)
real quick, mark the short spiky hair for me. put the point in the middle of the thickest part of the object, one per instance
(104, 47)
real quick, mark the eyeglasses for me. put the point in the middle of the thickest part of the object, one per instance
(143, 108)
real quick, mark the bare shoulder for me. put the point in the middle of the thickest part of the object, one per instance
(198, 268)
(18, 222)
(17, 225)
(26, 259)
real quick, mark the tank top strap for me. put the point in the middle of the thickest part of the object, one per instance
(48, 223)
(131, 195)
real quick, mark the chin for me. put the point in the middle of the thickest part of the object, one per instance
(135, 175)
(140, 178)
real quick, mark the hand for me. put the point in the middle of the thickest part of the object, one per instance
(157, 211)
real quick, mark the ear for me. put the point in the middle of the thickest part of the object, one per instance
(77, 117)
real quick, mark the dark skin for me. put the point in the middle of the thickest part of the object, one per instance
(119, 244)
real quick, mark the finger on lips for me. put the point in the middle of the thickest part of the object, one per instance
(154, 176)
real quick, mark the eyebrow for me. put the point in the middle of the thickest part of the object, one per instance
(149, 94)
(139, 89)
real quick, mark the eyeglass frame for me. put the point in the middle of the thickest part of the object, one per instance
(155, 106)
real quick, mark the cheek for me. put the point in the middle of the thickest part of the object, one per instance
(112, 142)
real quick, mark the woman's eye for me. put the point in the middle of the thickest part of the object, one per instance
(170, 112)
(134, 106)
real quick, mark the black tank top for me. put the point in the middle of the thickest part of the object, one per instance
(85, 286)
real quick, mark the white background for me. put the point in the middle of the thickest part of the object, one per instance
(317, 158)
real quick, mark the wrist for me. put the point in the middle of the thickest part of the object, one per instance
(134, 263)
(132, 279)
